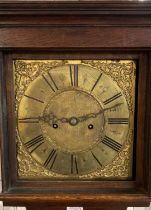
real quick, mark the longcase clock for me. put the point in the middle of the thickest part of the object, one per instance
(75, 104)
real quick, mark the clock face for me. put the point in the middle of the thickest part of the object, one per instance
(73, 119)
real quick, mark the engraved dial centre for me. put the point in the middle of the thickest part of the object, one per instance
(73, 111)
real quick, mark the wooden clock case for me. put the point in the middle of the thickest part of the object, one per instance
(76, 30)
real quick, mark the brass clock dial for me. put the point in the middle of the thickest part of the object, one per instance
(73, 119)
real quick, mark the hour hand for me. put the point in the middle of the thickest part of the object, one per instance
(53, 120)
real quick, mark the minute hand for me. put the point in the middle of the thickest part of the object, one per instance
(94, 115)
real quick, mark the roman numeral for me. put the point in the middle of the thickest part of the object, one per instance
(35, 143)
(112, 144)
(51, 159)
(96, 82)
(109, 100)
(74, 75)
(74, 165)
(50, 81)
(96, 159)
(35, 99)
(29, 120)
(118, 120)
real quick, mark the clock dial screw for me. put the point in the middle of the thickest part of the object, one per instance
(55, 126)
(90, 126)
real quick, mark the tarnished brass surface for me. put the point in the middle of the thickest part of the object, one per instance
(75, 118)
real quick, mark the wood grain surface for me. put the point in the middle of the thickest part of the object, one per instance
(77, 29)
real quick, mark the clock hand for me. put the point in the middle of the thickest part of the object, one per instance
(75, 120)
(52, 119)
(94, 115)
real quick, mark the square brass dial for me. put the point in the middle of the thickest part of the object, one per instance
(75, 118)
